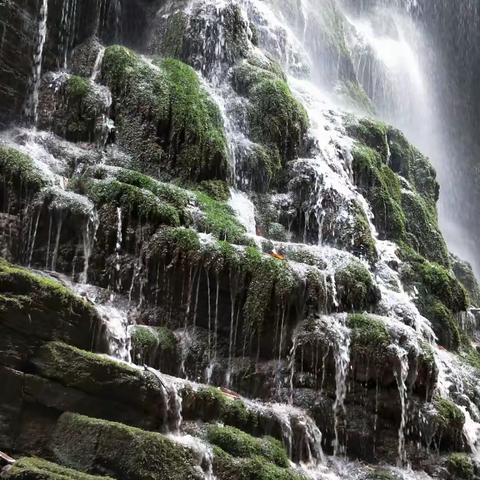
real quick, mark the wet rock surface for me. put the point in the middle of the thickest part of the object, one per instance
(223, 274)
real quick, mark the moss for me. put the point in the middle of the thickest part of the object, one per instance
(354, 95)
(176, 196)
(77, 88)
(439, 296)
(19, 171)
(355, 287)
(140, 203)
(240, 444)
(371, 133)
(464, 273)
(210, 403)
(220, 220)
(196, 117)
(460, 466)
(39, 469)
(144, 339)
(181, 244)
(369, 336)
(449, 416)
(443, 321)
(165, 118)
(408, 162)
(276, 118)
(422, 228)
(270, 279)
(382, 189)
(363, 242)
(148, 342)
(135, 394)
(227, 467)
(172, 38)
(216, 189)
(119, 450)
(27, 295)
(441, 283)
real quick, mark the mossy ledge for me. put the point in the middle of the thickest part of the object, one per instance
(42, 307)
(39, 469)
(21, 178)
(126, 453)
(400, 185)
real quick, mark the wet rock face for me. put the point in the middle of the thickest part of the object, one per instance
(317, 285)
(17, 26)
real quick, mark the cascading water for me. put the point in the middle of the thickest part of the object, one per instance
(41, 36)
(381, 61)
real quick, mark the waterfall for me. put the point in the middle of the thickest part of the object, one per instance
(401, 375)
(341, 352)
(67, 29)
(31, 105)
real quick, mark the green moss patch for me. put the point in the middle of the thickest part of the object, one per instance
(382, 189)
(227, 467)
(165, 118)
(241, 444)
(150, 342)
(19, 171)
(39, 469)
(369, 335)
(124, 452)
(210, 404)
(220, 220)
(356, 290)
(43, 308)
(140, 203)
(136, 393)
(400, 185)
(460, 466)
(449, 415)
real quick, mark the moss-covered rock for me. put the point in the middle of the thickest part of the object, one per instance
(369, 336)
(74, 108)
(227, 467)
(20, 178)
(39, 469)
(165, 118)
(191, 37)
(270, 278)
(356, 290)
(278, 122)
(355, 97)
(400, 185)
(439, 296)
(217, 189)
(42, 309)
(137, 203)
(152, 345)
(219, 219)
(382, 189)
(126, 453)
(421, 224)
(277, 118)
(460, 466)
(408, 162)
(240, 444)
(136, 394)
(449, 415)
(464, 274)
